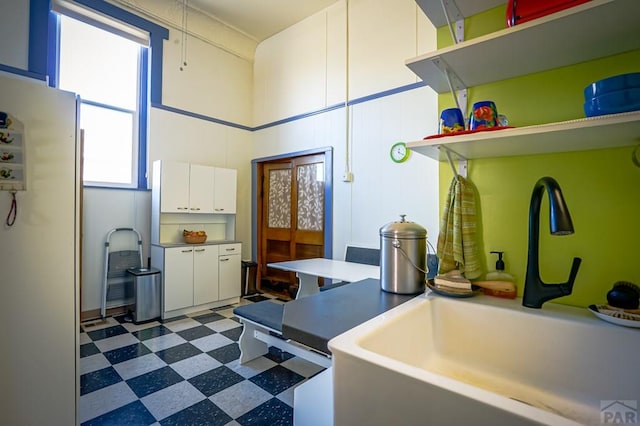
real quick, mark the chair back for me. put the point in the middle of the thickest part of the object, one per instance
(367, 256)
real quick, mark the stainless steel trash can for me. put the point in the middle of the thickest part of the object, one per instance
(147, 289)
(248, 277)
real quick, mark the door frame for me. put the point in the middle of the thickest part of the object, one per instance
(328, 196)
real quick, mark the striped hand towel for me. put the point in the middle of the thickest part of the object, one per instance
(458, 245)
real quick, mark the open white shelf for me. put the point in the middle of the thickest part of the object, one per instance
(589, 31)
(607, 131)
(457, 9)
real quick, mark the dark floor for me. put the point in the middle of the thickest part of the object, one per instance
(184, 372)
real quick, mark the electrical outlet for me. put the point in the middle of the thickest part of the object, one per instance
(347, 177)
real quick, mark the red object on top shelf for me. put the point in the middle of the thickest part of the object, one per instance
(519, 11)
(467, 132)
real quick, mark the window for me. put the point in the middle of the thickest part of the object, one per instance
(105, 70)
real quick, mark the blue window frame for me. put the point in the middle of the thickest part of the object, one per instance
(43, 54)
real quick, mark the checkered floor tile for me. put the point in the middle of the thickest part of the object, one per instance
(184, 371)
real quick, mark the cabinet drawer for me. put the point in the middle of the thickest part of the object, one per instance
(225, 249)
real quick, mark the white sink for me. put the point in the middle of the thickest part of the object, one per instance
(483, 361)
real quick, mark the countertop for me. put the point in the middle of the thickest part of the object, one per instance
(206, 243)
(316, 319)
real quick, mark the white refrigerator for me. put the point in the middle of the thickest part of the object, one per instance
(39, 261)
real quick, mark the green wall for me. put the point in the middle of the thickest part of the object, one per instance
(601, 187)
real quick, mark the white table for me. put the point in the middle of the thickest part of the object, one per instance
(308, 271)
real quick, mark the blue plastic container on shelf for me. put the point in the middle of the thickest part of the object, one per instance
(613, 103)
(612, 84)
(613, 95)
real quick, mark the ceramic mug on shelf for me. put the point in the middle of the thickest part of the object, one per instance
(484, 114)
(451, 121)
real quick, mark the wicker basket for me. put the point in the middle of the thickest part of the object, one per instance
(194, 239)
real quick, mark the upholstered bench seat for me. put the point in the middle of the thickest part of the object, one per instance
(266, 313)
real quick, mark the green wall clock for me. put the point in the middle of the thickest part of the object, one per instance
(399, 152)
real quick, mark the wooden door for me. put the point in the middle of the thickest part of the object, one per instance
(291, 217)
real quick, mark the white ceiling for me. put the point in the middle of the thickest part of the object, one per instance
(260, 19)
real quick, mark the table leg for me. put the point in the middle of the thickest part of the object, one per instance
(307, 285)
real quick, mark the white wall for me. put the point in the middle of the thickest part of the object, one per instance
(302, 69)
(14, 33)
(104, 210)
(214, 82)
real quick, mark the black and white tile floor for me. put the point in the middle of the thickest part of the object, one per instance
(184, 371)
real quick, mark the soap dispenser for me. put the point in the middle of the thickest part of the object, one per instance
(500, 275)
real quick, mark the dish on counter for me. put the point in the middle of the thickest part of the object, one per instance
(615, 316)
(458, 293)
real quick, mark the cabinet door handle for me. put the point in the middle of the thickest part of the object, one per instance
(231, 249)
(224, 259)
(195, 208)
(219, 210)
(199, 250)
(181, 208)
(187, 251)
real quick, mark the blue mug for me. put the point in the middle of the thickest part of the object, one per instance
(451, 121)
(483, 115)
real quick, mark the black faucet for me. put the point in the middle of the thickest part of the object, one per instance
(537, 292)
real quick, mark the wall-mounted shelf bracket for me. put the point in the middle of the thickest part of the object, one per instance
(458, 29)
(457, 89)
(462, 162)
(453, 15)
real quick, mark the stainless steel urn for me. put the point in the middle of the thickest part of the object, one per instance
(403, 254)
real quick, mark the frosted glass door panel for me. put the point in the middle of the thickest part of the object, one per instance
(310, 197)
(279, 198)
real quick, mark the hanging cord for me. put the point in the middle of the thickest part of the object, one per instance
(183, 52)
(13, 211)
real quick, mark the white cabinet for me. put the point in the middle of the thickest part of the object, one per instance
(229, 270)
(535, 47)
(194, 276)
(225, 186)
(197, 276)
(177, 275)
(201, 189)
(205, 274)
(174, 184)
(193, 197)
(185, 188)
